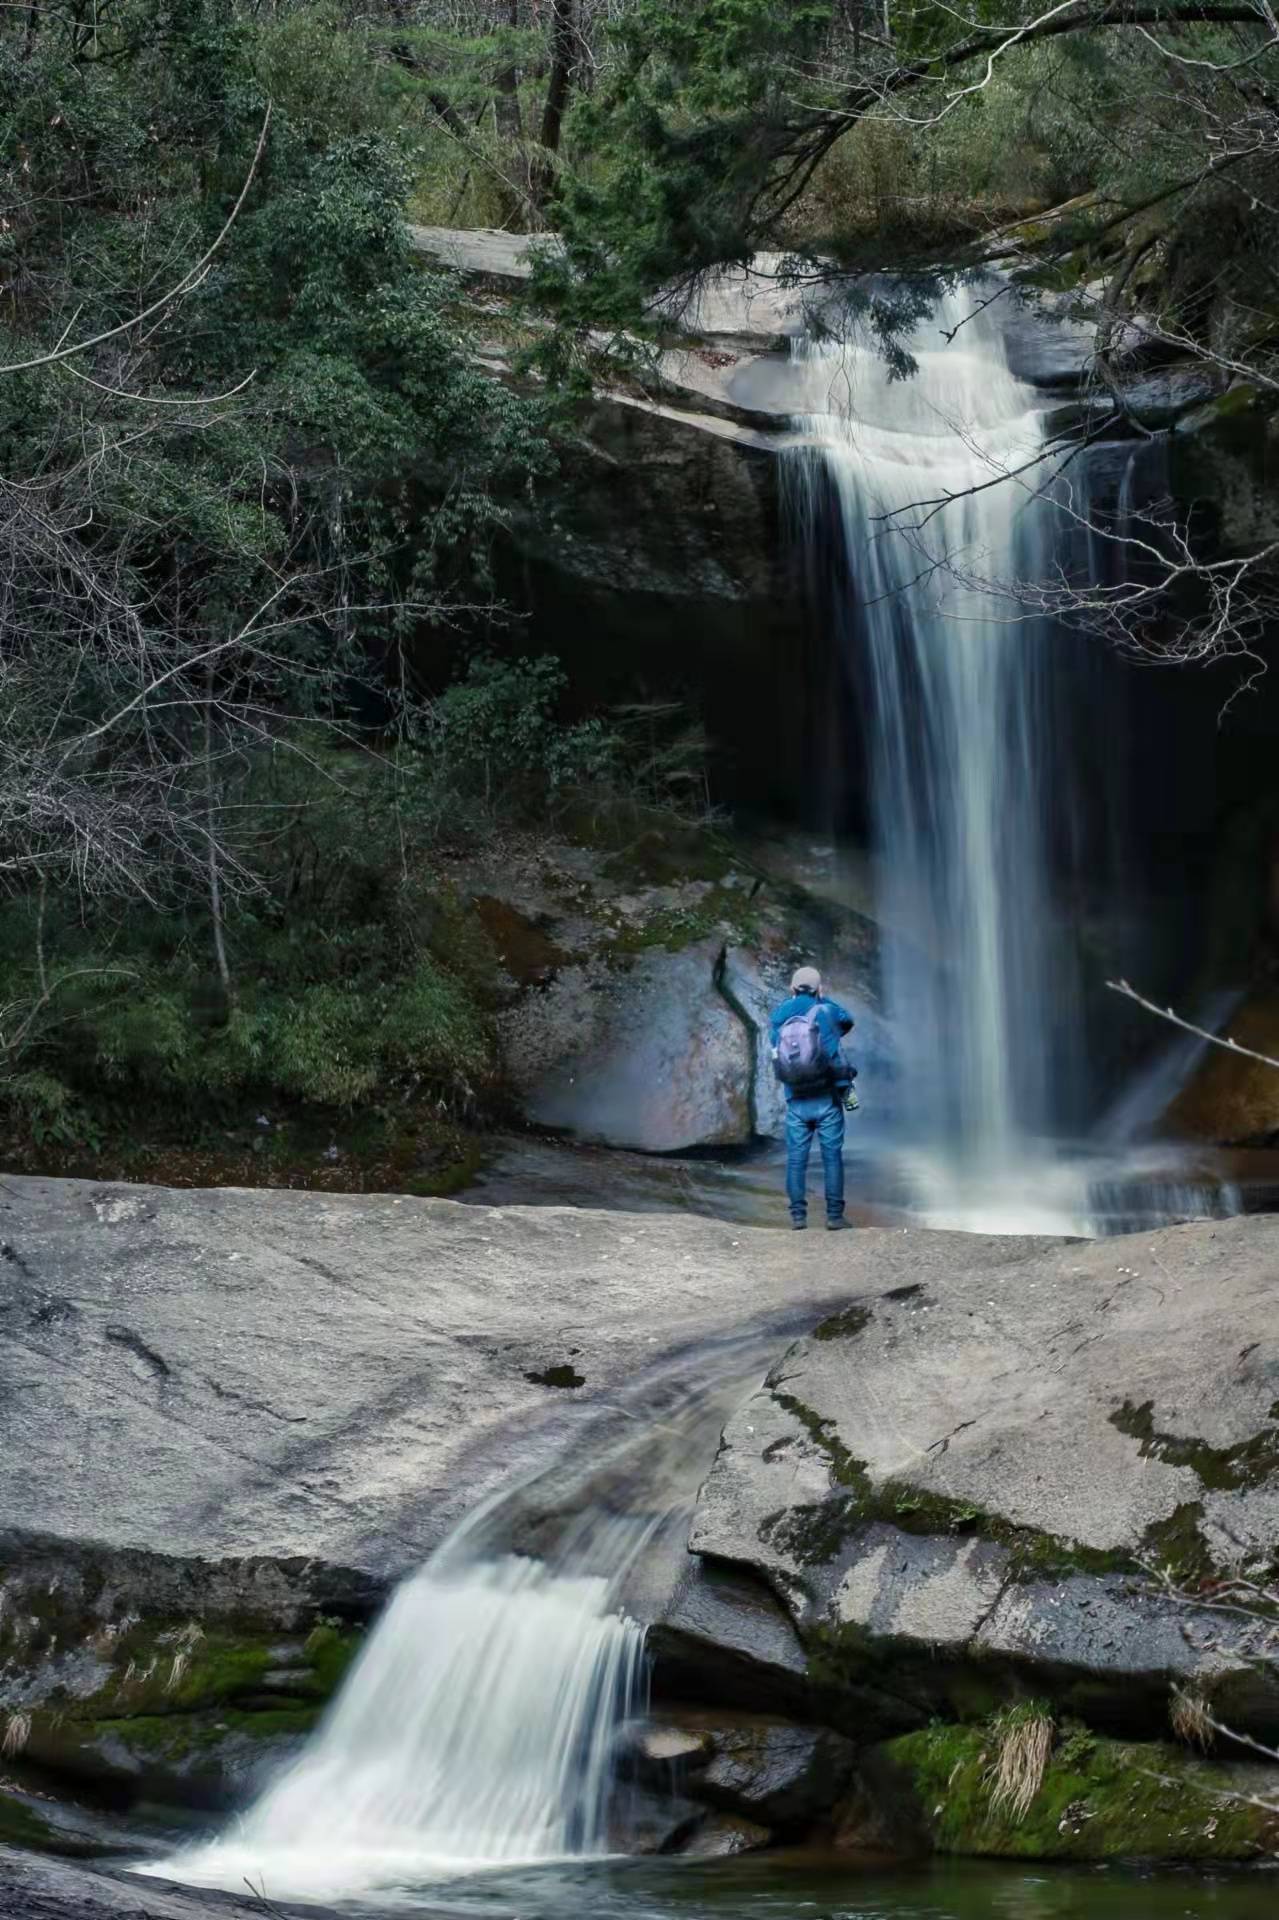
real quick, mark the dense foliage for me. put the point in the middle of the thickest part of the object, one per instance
(247, 465)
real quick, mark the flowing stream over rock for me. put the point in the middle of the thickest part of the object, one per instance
(480, 1727)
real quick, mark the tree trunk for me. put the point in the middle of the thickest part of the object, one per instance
(215, 871)
(563, 63)
(507, 105)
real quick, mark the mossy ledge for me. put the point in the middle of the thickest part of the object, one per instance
(163, 1708)
(816, 1533)
(1099, 1799)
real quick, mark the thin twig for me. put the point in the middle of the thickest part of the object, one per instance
(1188, 1026)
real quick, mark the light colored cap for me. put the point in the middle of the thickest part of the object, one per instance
(806, 980)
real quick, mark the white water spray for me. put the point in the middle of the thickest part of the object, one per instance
(480, 1727)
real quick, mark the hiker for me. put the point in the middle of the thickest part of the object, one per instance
(810, 1063)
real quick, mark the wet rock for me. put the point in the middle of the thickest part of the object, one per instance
(723, 1836)
(723, 1636)
(1230, 1098)
(648, 1820)
(32, 1888)
(667, 1746)
(954, 1492)
(187, 1760)
(772, 1771)
(1161, 398)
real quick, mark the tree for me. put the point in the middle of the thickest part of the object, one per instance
(245, 457)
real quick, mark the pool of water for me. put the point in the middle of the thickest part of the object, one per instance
(809, 1887)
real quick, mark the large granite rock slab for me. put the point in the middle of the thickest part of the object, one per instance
(955, 1489)
(241, 1388)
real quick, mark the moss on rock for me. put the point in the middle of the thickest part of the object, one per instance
(1099, 1799)
(172, 1706)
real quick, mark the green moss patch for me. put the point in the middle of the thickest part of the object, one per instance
(22, 1826)
(844, 1326)
(1219, 1469)
(1099, 1800)
(173, 1696)
(721, 912)
(814, 1534)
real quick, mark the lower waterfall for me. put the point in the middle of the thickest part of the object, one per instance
(477, 1729)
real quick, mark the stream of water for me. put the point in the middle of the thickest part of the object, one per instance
(477, 1728)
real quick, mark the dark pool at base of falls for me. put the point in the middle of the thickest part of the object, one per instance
(827, 1888)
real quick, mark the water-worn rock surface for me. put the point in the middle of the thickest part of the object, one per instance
(229, 1419)
(254, 1387)
(951, 1491)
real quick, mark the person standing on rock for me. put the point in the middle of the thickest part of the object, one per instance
(818, 1081)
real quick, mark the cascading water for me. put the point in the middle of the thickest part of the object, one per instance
(980, 984)
(477, 1729)
(480, 1727)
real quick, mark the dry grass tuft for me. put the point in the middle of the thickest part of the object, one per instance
(1023, 1741)
(177, 1672)
(17, 1731)
(1191, 1719)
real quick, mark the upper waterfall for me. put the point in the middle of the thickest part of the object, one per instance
(939, 502)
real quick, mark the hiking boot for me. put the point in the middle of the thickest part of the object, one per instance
(797, 1226)
(838, 1224)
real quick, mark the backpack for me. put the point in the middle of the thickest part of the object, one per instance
(801, 1059)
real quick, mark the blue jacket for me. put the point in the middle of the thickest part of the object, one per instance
(833, 1021)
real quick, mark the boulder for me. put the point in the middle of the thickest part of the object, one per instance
(955, 1492)
(723, 1836)
(654, 1057)
(771, 1771)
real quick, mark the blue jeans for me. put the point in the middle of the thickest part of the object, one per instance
(823, 1116)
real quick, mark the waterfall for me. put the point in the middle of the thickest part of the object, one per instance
(481, 1724)
(477, 1729)
(961, 702)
